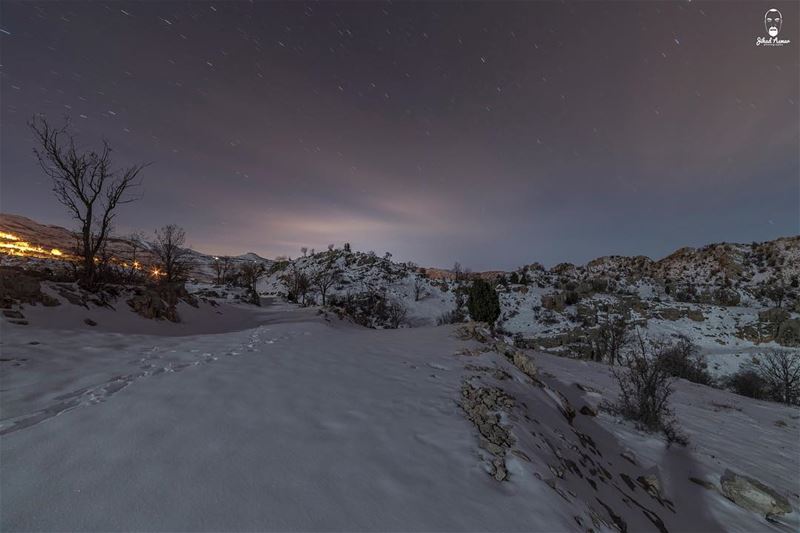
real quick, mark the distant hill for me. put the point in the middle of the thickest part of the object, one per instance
(23, 237)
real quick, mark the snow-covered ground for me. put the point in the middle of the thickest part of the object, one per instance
(289, 419)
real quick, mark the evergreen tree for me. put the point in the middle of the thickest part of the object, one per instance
(482, 302)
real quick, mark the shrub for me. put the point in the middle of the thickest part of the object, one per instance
(780, 371)
(683, 360)
(396, 313)
(370, 309)
(450, 317)
(609, 339)
(645, 388)
(747, 382)
(482, 302)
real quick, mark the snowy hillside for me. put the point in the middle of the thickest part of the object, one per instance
(28, 244)
(721, 297)
(731, 300)
(288, 419)
(158, 406)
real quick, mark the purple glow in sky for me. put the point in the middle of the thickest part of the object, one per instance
(491, 134)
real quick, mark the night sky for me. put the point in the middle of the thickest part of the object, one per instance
(491, 134)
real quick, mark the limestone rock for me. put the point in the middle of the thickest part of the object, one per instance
(753, 495)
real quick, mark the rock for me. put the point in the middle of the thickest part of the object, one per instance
(774, 316)
(675, 313)
(703, 483)
(13, 314)
(554, 302)
(149, 304)
(522, 455)
(19, 286)
(562, 403)
(588, 411)
(160, 301)
(789, 332)
(753, 495)
(651, 484)
(72, 297)
(726, 297)
(525, 364)
(695, 314)
(475, 330)
(89, 322)
(499, 471)
(480, 405)
(629, 456)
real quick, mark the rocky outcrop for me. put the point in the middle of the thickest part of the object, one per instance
(753, 495)
(160, 302)
(789, 332)
(18, 286)
(481, 406)
(773, 325)
(676, 313)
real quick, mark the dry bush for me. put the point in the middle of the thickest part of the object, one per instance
(773, 375)
(683, 360)
(645, 387)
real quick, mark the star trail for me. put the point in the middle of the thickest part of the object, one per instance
(494, 134)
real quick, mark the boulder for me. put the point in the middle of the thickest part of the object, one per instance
(554, 302)
(753, 495)
(774, 316)
(160, 301)
(676, 313)
(149, 304)
(525, 364)
(789, 332)
(20, 286)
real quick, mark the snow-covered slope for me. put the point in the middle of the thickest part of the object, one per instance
(302, 421)
(721, 296)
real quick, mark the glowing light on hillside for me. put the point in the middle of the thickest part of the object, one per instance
(11, 244)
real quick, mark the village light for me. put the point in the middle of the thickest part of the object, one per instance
(11, 244)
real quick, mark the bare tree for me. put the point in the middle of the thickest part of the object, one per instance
(250, 272)
(457, 271)
(135, 243)
(396, 313)
(645, 388)
(174, 259)
(418, 288)
(223, 268)
(780, 370)
(304, 250)
(775, 291)
(608, 340)
(298, 284)
(303, 285)
(326, 277)
(85, 183)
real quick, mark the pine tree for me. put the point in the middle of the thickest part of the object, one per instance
(483, 303)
